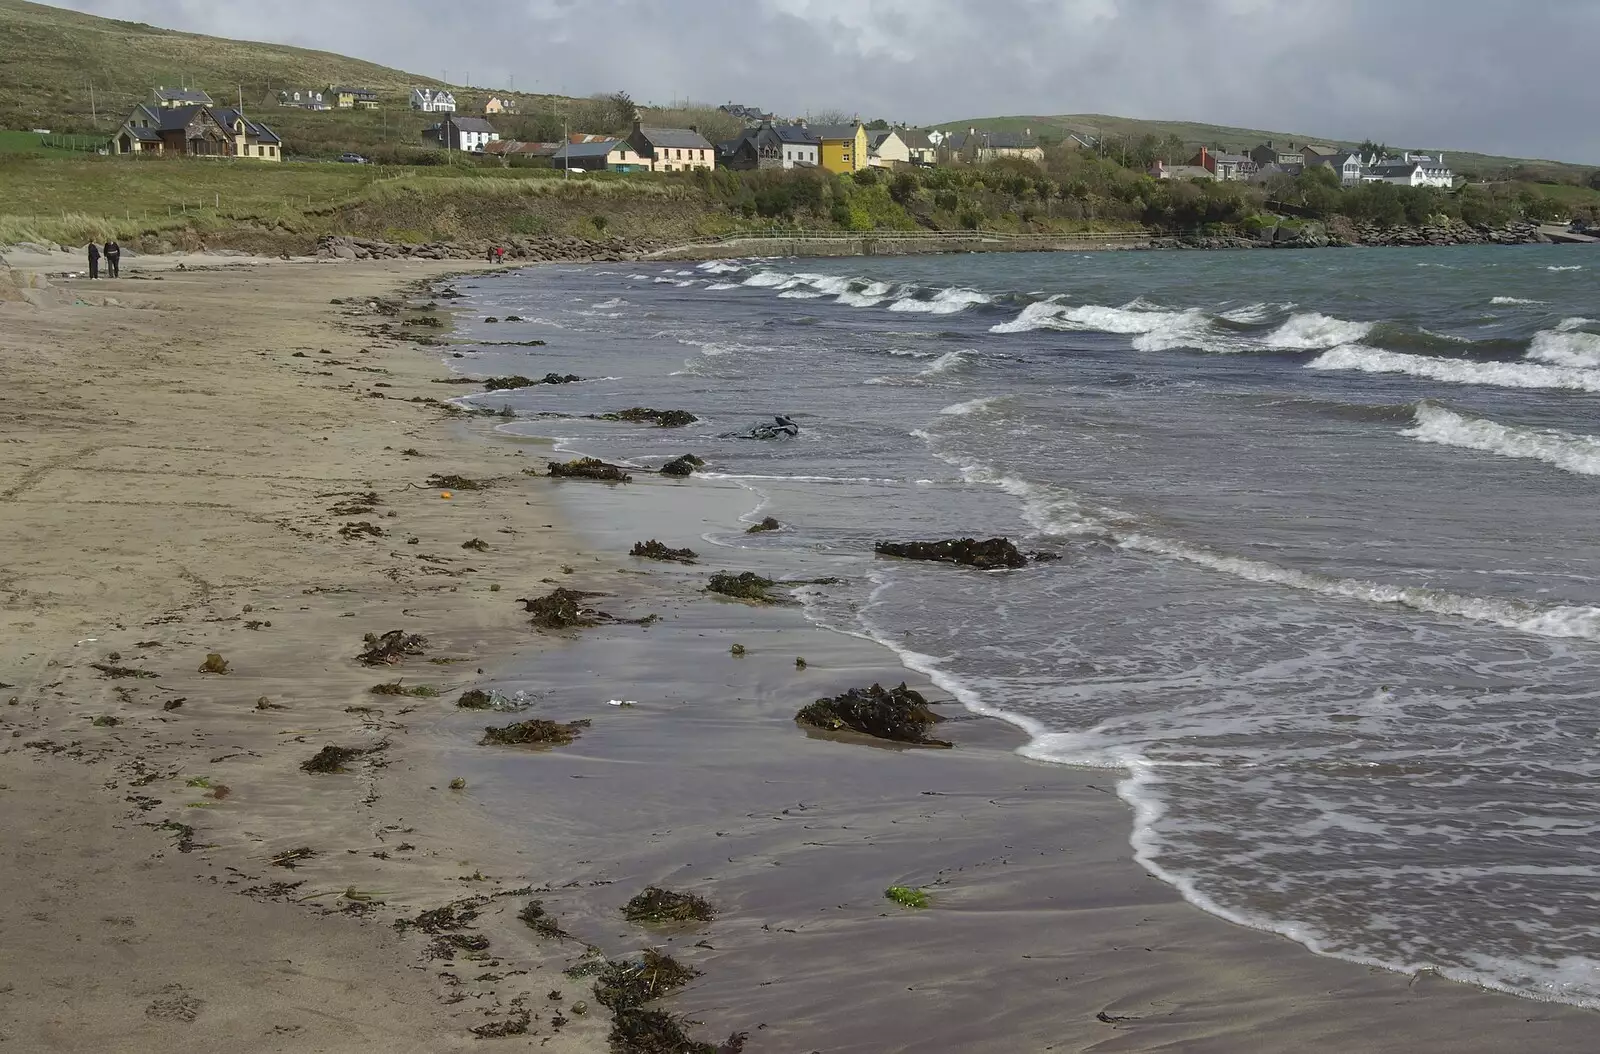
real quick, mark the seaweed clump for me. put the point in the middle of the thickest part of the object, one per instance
(391, 647)
(654, 550)
(645, 415)
(452, 482)
(501, 384)
(900, 714)
(665, 905)
(537, 732)
(476, 699)
(515, 1025)
(768, 524)
(682, 466)
(214, 663)
(626, 984)
(588, 468)
(541, 921)
(907, 896)
(745, 586)
(111, 671)
(563, 608)
(331, 759)
(993, 554)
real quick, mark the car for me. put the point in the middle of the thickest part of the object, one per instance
(352, 159)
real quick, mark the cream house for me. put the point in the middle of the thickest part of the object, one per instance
(196, 131)
(885, 149)
(672, 149)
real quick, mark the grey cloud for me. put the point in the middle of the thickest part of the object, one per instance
(1475, 74)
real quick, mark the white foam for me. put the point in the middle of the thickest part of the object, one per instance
(1567, 325)
(1314, 331)
(720, 267)
(870, 295)
(944, 302)
(1568, 267)
(1255, 313)
(1457, 371)
(1578, 454)
(1508, 300)
(1565, 347)
(768, 279)
(799, 294)
(950, 360)
(717, 286)
(971, 406)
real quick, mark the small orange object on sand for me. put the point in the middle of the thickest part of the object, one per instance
(445, 495)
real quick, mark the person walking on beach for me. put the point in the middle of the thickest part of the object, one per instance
(113, 258)
(499, 254)
(94, 260)
(490, 255)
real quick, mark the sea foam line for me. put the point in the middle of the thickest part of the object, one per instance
(1457, 371)
(1579, 454)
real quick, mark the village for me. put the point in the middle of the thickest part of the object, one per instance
(187, 122)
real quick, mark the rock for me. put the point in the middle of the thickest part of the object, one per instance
(682, 466)
(643, 415)
(899, 714)
(987, 555)
(344, 252)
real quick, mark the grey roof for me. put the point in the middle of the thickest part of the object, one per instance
(917, 140)
(145, 134)
(178, 117)
(1234, 159)
(673, 138)
(1006, 141)
(1398, 168)
(190, 95)
(834, 131)
(574, 151)
(472, 124)
(876, 138)
(794, 133)
(255, 128)
(355, 91)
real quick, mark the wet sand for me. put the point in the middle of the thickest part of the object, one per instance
(169, 461)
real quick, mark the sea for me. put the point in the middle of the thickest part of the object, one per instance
(1328, 595)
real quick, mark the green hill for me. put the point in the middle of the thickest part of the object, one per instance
(1193, 134)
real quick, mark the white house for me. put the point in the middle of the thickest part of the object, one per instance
(467, 134)
(792, 143)
(1411, 174)
(885, 149)
(429, 100)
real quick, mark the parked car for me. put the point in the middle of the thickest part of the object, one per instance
(352, 159)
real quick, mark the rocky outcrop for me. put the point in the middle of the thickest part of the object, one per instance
(682, 466)
(1341, 232)
(517, 247)
(990, 555)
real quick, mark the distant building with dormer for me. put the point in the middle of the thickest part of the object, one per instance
(171, 98)
(432, 100)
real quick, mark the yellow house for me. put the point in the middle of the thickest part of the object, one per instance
(353, 98)
(844, 146)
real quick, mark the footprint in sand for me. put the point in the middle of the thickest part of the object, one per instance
(175, 1004)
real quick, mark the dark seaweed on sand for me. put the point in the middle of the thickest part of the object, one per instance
(562, 608)
(638, 1031)
(900, 714)
(665, 905)
(645, 415)
(537, 731)
(654, 550)
(515, 1025)
(331, 759)
(588, 468)
(682, 466)
(986, 555)
(745, 586)
(391, 647)
(630, 983)
(501, 384)
(476, 699)
(452, 482)
(541, 921)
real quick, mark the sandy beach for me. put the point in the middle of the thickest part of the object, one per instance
(186, 459)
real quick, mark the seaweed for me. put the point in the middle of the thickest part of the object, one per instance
(391, 647)
(356, 504)
(515, 1025)
(106, 721)
(627, 984)
(456, 915)
(745, 586)
(476, 699)
(645, 415)
(536, 731)
(768, 524)
(446, 945)
(267, 704)
(588, 468)
(214, 663)
(112, 672)
(360, 529)
(907, 896)
(737, 651)
(562, 608)
(500, 384)
(638, 1031)
(476, 544)
(331, 759)
(664, 905)
(682, 466)
(421, 691)
(453, 482)
(290, 857)
(541, 921)
(900, 714)
(989, 555)
(654, 550)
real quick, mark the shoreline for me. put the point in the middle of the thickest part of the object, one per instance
(254, 529)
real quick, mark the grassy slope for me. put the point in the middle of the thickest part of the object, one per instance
(1241, 139)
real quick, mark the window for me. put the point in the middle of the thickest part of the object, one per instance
(679, 155)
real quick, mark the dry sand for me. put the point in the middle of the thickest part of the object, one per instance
(169, 455)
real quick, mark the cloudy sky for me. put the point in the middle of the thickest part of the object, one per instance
(1487, 75)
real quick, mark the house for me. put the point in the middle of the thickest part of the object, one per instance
(173, 98)
(1347, 166)
(303, 100)
(600, 155)
(1410, 174)
(195, 131)
(672, 149)
(498, 105)
(1226, 167)
(841, 147)
(1162, 170)
(467, 134)
(920, 147)
(509, 149)
(354, 98)
(885, 149)
(771, 146)
(747, 114)
(429, 100)
(1269, 154)
(1264, 173)
(975, 147)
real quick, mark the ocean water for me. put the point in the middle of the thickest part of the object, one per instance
(1329, 599)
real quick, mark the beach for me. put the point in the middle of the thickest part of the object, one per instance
(181, 453)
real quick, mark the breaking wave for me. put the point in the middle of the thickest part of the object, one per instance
(1457, 371)
(1579, 454)
(1314, 331)
(971, 406)
(1565, 347)
(944, 302)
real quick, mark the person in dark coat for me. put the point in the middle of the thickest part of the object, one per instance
(113, 258)
(94, 260)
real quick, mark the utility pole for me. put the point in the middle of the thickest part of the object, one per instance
(566, 144)
(94, 116)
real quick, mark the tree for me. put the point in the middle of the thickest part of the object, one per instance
(877, 124)
(1594, 179)
(833, 117)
